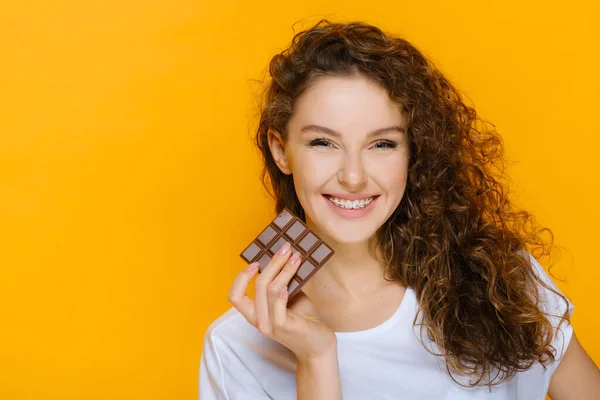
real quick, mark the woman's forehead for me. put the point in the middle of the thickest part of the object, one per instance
(346, 103)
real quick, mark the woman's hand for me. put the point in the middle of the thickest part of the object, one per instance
(297, 327)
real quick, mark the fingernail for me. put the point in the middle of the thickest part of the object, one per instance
(284, 249)
(295, 257)
(252, 266)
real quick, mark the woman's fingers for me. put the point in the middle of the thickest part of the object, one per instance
(284, 319)
(280, 311)
(237, 294)
(268, 311)
(288, 271)
(261, 302)
(282, 280)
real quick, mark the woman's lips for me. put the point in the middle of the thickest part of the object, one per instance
(350, 212)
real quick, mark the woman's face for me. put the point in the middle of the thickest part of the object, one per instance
(348, 153)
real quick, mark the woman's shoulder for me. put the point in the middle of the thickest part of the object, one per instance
(232, 333)
(557, 308)
(232, 343)
(238, 359)
(552, 301)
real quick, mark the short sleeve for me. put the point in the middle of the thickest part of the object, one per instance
(222, 376)
(554, 307)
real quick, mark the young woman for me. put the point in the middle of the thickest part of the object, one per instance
(433, 291)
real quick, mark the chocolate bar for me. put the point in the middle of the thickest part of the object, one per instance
(286, 226)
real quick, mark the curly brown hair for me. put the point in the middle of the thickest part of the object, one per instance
(455, 237)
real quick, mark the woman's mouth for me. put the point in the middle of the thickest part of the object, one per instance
(350, 204)
(351, 208)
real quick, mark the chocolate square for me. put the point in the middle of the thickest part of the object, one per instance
(295, 230)
(283, 219)
(267, 236)
(251, 252)
(286, 226)
(274, 248)
(308, 242)
(305, 269)
(264, 260)
(321, 253)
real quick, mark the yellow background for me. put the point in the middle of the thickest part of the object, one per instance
(129, 185)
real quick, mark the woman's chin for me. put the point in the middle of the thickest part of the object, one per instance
(344, 239)
(350, 232)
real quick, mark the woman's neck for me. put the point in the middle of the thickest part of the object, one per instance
(351, 274)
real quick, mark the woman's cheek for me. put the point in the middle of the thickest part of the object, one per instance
(326, 165)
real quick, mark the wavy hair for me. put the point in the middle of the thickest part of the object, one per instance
(455, 237)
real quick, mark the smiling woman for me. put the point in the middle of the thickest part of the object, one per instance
(433, 291)
(352, 135)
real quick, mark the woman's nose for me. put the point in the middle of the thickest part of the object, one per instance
(352, 173)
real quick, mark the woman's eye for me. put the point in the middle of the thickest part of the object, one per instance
(383, 144)
(320, 142)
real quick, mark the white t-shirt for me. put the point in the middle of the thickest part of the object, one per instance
(385, 362)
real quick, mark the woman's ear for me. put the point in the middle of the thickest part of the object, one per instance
(277, 146)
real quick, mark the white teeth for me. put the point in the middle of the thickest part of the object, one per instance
(349, 204)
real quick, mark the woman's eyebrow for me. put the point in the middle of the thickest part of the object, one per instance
(327, 131)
